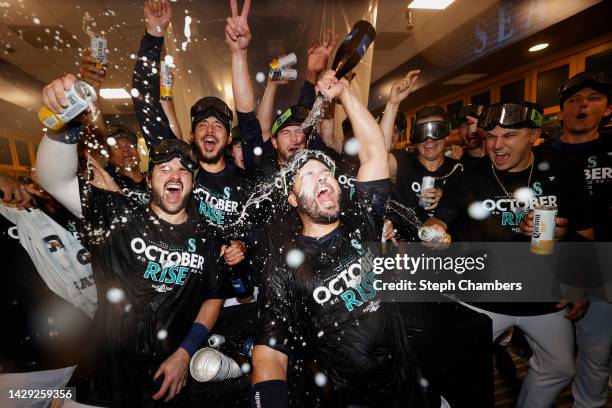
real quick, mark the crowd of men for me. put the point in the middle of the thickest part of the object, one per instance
(150, 257)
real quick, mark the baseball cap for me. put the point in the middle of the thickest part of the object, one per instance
(598, 80)
(471, 110)
(295, 115)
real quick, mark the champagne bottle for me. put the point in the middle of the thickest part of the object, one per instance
(353, 48)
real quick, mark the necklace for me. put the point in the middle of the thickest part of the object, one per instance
(511, 196)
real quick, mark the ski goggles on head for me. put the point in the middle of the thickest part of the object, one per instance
(515, 115)
(211, 106)
(598, 80)
(295, 115)
(298, 160)
(436, 130)
(170, 149)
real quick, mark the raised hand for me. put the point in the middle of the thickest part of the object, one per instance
(89, 72)
(54, 94)
(402, 88)
(237, 31)
(318, 53)
(157, 15)
(330, 86)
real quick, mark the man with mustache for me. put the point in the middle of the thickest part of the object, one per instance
(220, 185)
(493, 183)
(585, 99)
(159, 281)
(351, 341)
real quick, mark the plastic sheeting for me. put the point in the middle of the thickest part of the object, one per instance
(278, 27)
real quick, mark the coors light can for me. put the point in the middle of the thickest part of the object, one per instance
(210, 365)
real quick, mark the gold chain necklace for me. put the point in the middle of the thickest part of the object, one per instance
(504, 188)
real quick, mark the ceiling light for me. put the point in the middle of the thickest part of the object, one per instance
(114, 93)
(430, 4)
(538, 47)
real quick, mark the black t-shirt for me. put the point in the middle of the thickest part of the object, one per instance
(556, 180)
(325, 312)
(41, 330)
(131, 189)
(219, 196)
(468, 160)
(407, 189)
(151, 278)
(595, 157)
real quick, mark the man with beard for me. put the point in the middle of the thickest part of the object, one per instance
(429, 133)
(156, 269)
(511, 165)
(585, 99)
(220, 185)
(474, 145)
(354, 342)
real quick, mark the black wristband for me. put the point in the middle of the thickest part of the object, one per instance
(269, 394)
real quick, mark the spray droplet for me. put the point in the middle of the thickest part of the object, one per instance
(351, 147)
(478, 211)
(111, 141)
(115, 295)
(543, 166)
(524, 194)
(294, 258)
(246, 368)
(162, 334)
(320, 379)
(134, 92)
(257, 151)
(36, 20)
(260, 77)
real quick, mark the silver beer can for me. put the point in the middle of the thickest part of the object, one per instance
(209, 365)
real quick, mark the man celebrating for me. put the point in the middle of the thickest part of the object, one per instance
(585, 100)
(156, 271)
(474, 145)
(354, 341)
(495, 184)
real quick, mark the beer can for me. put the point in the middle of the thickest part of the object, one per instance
(247, 348)
(284, 61)
(427, 182)
(428, 234)
(79, 97)
(165, 87)
(283, 74)
(216, 340)
(98, 50)
(543, 232)
(210, 365)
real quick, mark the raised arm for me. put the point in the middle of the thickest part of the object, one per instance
(57, 159)
(318, 56)
(145, 79)
(372, 153)
(238, 37)
(265, 113)
(399, 91)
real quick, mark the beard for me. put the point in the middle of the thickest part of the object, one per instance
(308, 206)
(157, 199)
(211, 159)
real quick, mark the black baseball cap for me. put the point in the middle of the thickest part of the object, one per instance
(169, 149)
(598, 80)
(471, 110)
(295, 115)
(401, 123)
(118, 131)
(298, 159)
(211, 106)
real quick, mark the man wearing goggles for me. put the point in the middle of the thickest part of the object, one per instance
(156, 266)
(585, 100)
(219, 183)
(429, 133)
(492, 184)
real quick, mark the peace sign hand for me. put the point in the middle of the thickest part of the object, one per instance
(237, 31)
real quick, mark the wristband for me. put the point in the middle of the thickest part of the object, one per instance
(269, 394)
(196, 336)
